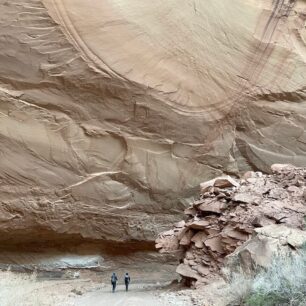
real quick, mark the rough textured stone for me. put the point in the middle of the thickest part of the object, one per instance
(263, 206)
(219, 182)
(267, 243)
(186, 239)
(111, 110)
(257, 253)
(187, 272)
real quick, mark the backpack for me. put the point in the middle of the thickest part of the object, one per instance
(114, 278)
(127, 278)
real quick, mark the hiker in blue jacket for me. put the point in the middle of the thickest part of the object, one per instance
(114, 280)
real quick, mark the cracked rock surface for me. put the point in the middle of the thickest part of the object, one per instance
(229, 212)
(112, 110)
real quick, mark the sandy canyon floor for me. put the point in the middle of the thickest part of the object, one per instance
(29, 290)
(137, 296)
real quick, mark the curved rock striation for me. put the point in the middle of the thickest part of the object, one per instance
(112, 110)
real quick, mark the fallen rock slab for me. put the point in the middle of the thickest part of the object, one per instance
(186, 271)
(270, 206)
(268, 242)
(220, 182)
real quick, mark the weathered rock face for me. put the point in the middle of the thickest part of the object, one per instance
(270, 245)
(112, 110)
(226, 216)
(268, 242)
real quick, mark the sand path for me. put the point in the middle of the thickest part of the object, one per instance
(136, 296)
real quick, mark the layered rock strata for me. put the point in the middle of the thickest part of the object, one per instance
(227, 213)
(111, 110)
(270, 245)
(268, 242)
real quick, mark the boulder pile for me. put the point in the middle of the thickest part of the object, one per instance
(226, 214)
(268, 242)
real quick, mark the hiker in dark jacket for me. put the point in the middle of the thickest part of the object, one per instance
(127, 280)
(114, 280)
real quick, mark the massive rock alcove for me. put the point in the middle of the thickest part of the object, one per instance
(112, 112)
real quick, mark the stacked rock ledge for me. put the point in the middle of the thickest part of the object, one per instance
(227, 214)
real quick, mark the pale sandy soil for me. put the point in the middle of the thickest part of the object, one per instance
(25, 290)
(137, 296)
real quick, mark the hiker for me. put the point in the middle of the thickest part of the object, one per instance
(114, 280)
(127, 280)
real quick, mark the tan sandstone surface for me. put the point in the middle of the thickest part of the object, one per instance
(112, 110)
(228, 213)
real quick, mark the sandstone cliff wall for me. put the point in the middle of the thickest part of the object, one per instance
(111, 110)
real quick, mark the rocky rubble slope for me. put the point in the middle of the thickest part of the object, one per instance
(226, 215)
(267, 243)
(111, 110)
(270, 246)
